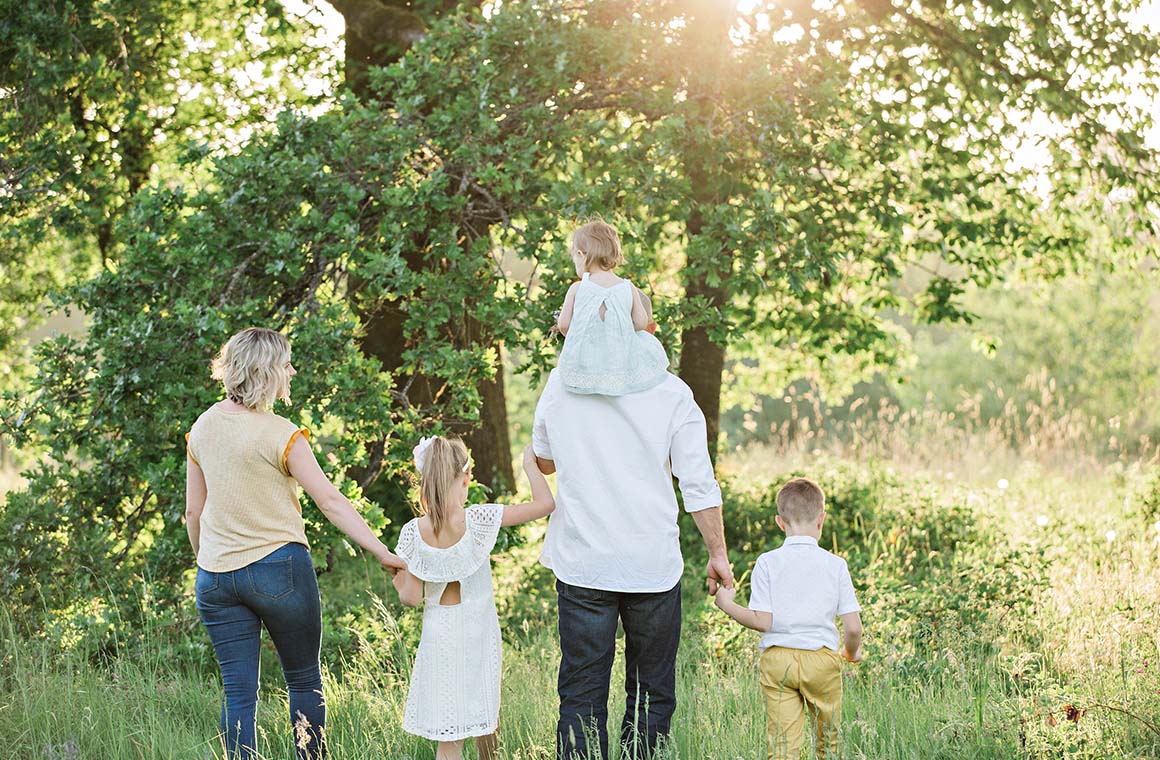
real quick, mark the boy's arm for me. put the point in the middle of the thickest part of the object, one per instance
(542, 503)
(758, 621)
(852, 633)
(409, 587)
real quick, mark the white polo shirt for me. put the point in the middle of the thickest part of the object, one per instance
(804, 587)
(615, 524)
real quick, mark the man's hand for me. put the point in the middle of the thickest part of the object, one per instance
(720, 573)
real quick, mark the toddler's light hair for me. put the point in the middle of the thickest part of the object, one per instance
(445, 463)
(599, 243)
(252, 367)
(800, 501)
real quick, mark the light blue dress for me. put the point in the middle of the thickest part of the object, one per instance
(606, 356)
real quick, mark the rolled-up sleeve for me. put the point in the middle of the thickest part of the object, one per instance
(541, 445)
(691, 464)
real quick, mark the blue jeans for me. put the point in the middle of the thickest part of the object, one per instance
(652, 631)
(281, 591)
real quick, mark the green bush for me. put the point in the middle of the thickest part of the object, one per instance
(932, 572)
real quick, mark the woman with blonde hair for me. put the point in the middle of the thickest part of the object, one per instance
(244, 465)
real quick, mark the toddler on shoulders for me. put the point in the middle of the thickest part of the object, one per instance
(608, 349)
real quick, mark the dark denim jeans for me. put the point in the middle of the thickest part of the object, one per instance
(652, 630)
(281, 591)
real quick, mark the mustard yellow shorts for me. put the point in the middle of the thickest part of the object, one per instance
(794, 681)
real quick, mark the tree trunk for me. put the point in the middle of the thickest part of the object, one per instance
(703, 360)
(489, 440)
(377, 34)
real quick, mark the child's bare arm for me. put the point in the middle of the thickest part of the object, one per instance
(565, 318)
(852, 633)
(758, 621)
(542, 503)
(640, 316)
(409, 587)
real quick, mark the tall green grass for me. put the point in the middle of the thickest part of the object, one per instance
(145, 707)
(1000, 682)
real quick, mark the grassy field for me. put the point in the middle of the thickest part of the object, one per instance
(1011, 606)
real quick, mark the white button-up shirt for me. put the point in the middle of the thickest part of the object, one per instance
(615, 524)
(804, 587)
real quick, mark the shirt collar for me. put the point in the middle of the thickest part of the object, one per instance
(791, 540)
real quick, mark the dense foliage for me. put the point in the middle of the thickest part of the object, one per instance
(98, 98)
(773, 173)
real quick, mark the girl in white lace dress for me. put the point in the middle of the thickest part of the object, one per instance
(608, 349)
(454, 691)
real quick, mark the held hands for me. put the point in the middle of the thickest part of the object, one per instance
(391, 561)
(724, 597)
(720, 574)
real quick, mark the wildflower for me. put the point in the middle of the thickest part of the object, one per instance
(1003, 484)
(1110, 536)
(1042, 520)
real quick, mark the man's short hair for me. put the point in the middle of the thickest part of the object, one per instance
(800, 501)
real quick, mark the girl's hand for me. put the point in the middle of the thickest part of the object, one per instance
(724, 597)
(542, 503)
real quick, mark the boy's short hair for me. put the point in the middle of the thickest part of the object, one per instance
(800, 501)
(600, 244)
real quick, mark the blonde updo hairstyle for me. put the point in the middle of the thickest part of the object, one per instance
(599, 243)
(444, 465)
(252, 367)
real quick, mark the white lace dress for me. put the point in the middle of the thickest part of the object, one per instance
(603, 353)
(454, 691)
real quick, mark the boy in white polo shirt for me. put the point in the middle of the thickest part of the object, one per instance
(797, 591)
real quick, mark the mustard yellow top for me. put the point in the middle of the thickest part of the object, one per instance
(251, 505)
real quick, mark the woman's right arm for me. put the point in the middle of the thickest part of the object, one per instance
(305, 469)
(195, 492)
(542, 503)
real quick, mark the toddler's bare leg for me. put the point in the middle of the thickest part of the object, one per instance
(449, 751)
(486, 746)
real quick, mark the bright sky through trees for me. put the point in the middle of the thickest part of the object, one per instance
(1029, 153)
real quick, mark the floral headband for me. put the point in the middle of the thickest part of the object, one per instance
(420, 453)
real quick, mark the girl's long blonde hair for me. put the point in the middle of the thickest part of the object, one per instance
(253, 368)
(446, 463)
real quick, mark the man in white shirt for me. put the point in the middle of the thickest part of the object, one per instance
(613, 545)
